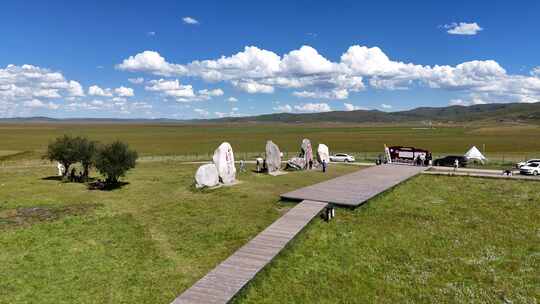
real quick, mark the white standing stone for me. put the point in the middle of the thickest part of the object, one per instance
(323, 154)
(273, 157)
(207, 176)
(307, 151)
(224, 161)
(61, 169)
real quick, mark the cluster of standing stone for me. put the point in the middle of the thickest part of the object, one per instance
(221, 171)
(305, 160)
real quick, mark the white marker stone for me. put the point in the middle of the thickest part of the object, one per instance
(61, 169)
(224, 160)
(207, 176)
(273, 157)
(323, 153)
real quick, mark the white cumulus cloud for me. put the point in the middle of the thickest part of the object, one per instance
(308, 74)
(190, 20)
(536, 72)
(351, 107)
(463, 28)
(36, 103)
(150, 61)
(283, 108)
(179, 92)
(313, 107)
(26, 86)
(124, 92)
(202, 112)
(97, 91)
(138, 80)
(253, 87)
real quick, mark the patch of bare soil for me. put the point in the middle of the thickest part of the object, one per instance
(21, 217)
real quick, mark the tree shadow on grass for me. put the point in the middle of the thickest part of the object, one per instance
(67, 180)
(98, 185)
(54, 177)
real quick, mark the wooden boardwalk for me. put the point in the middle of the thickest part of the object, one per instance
(223, 282)
(356, 188)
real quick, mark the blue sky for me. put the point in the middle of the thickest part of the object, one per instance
(162, 58)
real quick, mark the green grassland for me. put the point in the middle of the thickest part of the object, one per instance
(142, 243)
(431, 240)
(428, 240)
(176, 139)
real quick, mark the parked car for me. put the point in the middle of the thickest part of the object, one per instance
(448, 161)
(523, 163)
(342, 157)
(530, 168)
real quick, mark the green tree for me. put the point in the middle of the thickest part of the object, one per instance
(63, 150)
(86, 152)
(114, 160)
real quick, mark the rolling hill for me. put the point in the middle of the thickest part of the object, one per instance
(504, 112)
(508, 112)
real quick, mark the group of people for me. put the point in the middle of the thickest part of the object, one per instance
(423, 159)
(260, 165)
(74, 177)
(324, 165)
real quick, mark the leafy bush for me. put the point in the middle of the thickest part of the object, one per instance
(64, 150)
(86, 152)
(114, 160)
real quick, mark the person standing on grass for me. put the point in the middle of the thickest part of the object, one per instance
(324, 166)
(242, 166)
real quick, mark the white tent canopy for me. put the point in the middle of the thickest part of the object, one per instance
(474, 153)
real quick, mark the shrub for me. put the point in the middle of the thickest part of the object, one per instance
(86, 152)
(63, 150)
(114, 160)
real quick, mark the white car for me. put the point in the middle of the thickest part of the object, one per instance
(521, 164)
(342, 157)
(530, 168)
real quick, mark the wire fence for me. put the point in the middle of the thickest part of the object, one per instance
(496, 158)
(359, 156)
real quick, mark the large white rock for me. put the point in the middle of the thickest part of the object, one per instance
(224, 160)
(296, 163)
(273, 157)
(323, 153)
(207, 176)
(307, 151)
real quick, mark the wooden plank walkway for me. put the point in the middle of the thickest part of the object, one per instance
(356, 188)
(223, 282)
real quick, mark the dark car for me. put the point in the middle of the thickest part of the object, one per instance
(448, 161)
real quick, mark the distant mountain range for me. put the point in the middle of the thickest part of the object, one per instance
(507, 112)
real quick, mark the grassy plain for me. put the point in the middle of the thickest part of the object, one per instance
(143, 243)
(428, 240)
(431, 240)
(30, 140)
